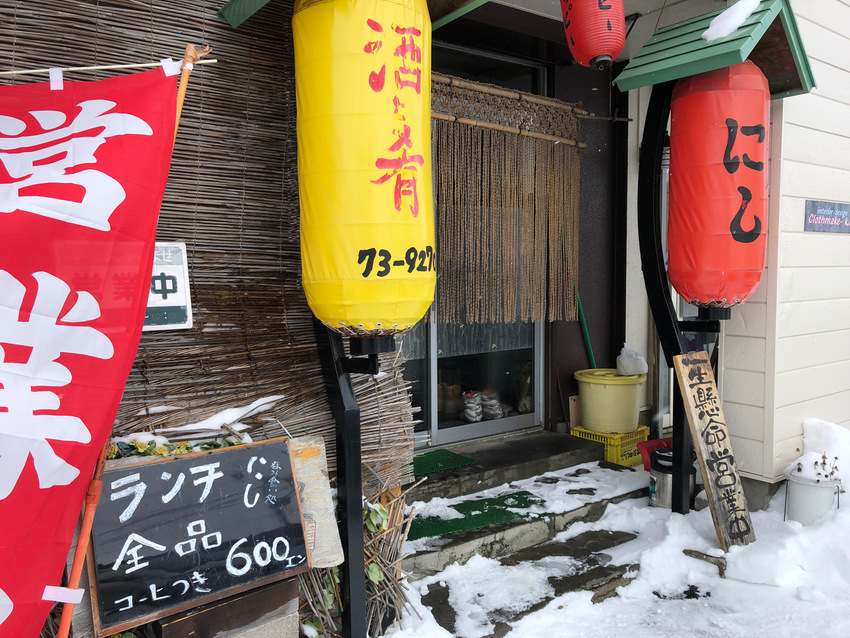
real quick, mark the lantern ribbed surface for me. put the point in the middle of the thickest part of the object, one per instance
(363, 93)
(595, 29)
(717, 228)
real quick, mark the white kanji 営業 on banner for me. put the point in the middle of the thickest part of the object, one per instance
(82, 173)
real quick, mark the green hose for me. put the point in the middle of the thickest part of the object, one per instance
(585, 333)
(580, 311)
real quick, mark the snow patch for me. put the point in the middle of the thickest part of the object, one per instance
(229, 416)
(473, 595)
(730, 20)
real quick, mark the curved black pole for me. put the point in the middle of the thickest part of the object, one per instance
(655, 276)
(649, 222)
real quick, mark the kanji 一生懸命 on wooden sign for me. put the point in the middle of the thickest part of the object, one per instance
(714, 450)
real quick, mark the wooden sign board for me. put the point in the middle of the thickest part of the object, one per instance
(172, 534)
(714, 450)
(317, 508)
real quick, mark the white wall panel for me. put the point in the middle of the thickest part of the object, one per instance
(824, 44)
(834, 408)
(813, 249)
(810, 317)
(741, 386)
(749, 456)
(744, 353)
(822, 380)
(806, 351)
(815, 283)
(813, 110)
(811, 146)
(748, 319)
(745, 421)
(811, 181)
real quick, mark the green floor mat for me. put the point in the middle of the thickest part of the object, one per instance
(438, 461)
(476, 515)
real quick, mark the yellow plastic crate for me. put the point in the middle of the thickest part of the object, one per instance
(619, 448)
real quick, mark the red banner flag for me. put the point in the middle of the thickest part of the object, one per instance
(82, 173)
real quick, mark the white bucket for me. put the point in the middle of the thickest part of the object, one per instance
(806, 500)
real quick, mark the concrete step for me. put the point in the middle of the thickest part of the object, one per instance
(507, 458)
(591, 571)
(501, 540)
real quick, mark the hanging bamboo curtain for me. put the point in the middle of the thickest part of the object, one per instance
(506, 180)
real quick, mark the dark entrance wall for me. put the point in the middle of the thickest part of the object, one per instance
(602, 233)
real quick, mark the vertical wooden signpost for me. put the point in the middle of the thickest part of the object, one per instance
(714, 450)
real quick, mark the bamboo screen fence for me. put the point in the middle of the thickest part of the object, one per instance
(232, 196)
(510, 193)
(507, 195)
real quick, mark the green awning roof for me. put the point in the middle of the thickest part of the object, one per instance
(774, 45)
(237, 11)
(442, 11)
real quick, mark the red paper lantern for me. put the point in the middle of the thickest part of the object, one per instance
(596, 30)
(717, 229)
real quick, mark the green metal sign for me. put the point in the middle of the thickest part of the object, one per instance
(169, 302)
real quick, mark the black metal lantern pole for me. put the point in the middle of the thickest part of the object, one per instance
(670, 329)
(337, 368)
(655, 276)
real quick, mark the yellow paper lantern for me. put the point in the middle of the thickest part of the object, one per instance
(363, 89)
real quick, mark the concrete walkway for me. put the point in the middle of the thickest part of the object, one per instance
(537, 458)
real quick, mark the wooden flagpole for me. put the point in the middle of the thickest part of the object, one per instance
(190, 58)
(92, 498)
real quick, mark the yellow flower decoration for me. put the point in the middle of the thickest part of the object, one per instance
(183, 447)
(139, 445)
(161, 450)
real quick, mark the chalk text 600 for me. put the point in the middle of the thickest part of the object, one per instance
(239, 563)
(419, 260)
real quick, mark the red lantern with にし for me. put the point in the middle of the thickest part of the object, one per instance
(717, 230)
(596, 30)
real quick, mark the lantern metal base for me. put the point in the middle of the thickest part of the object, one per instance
(601, 62)
(359, 346)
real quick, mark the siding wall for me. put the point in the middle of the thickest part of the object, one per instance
(787, 351)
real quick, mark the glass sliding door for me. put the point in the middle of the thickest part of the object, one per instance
(486, 381)
(473, 380)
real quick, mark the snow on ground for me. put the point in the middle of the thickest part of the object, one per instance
(793, 581)
(554, 490)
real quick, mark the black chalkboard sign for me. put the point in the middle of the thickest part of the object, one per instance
(172, 534)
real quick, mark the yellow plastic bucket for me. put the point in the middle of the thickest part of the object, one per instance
(610, 402)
